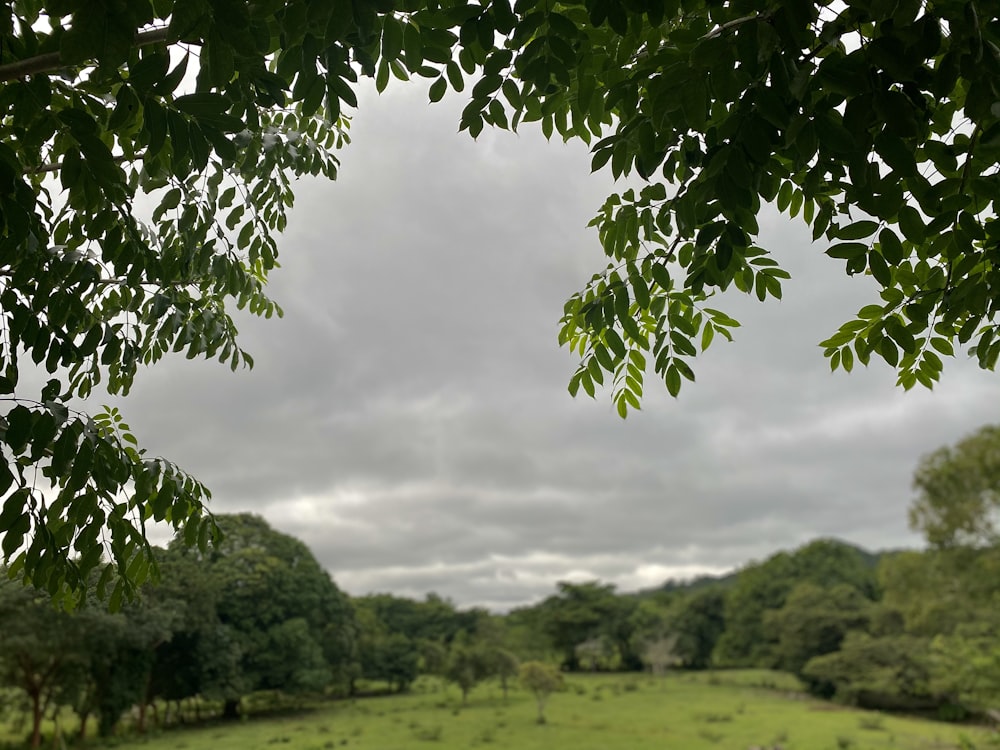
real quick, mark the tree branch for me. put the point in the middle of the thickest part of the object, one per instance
(723, 28)
(57, 165)
(51, 61)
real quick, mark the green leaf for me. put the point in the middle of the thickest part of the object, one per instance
(888, 351)
(392, 38)
(672, 378)
(412, 46)
(707, 334)
(437, 89)
(171, 200)
(900, 335)
(858, 230)
(890, 246)
(847, 359)
(848, 250)
(19, 423)
(880, 270)
(911, 224)
(943, 345)
(615, 342)
(382, 76)
(221, 60)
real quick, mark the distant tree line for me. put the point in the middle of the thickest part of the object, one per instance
(916, 631)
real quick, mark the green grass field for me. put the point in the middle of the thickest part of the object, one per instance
(709, 711)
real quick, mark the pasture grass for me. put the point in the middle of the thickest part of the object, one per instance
(706, 711)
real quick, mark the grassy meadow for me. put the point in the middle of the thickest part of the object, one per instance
(703, 711)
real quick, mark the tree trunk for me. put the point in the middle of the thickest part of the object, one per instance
(143, 702)
(36, 718)
(231, 708)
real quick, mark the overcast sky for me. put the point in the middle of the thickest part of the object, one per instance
(408, 418)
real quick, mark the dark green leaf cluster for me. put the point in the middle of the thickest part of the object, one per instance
(103, 491)
(147, 152)
(874, 122)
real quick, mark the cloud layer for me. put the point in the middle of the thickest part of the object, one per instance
(408, 418)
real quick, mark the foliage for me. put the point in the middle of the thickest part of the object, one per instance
(581, 612)
(201, 656)
(958, 492)
(467, 664)
(890, 673)
(41, 657)
(594, 654)
(274, 604)
(967, 667)
(876, 122)
(118, 651)
(398, 661)
(661, 653)
(396, 634)
(765, 586)
(938, 591)
(433, 619)
(541, 680)
(814, 621)
(698, 624)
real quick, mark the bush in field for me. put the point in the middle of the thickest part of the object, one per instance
(542, 680)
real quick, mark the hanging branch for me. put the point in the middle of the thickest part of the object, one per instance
(51, 61)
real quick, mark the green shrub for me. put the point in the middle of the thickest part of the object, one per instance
(872, 723)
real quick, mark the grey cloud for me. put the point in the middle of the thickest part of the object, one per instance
(408, 418)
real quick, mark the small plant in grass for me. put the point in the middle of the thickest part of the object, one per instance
(714, 737)
(542, 680)
(487, 736)
(872, 723)
(715, 718)
(844, 742)
(429, 734)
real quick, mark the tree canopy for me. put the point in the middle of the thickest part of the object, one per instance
(147, 150)
(958, 491)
